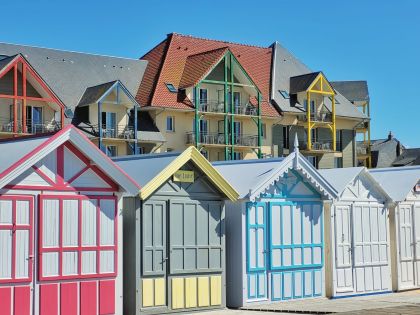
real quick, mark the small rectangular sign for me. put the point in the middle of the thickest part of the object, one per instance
(184, 176)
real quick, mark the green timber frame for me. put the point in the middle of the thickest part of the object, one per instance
(229, 113)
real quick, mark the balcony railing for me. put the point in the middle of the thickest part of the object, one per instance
(31, 127)
(321, 117)
(362, 149)
(320, 145)
(219, 107)
(114, 132)
(219, 138)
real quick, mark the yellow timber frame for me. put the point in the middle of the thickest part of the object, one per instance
(312, 125)
(365, 130)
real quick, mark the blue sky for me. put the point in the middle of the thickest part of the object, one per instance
(375, 40)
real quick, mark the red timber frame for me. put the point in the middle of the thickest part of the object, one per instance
(60, 184)
(79, 248)
(13, 228)
(26, 67)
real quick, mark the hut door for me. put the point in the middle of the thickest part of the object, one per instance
(406, 249)
(154, 254)
(16, 256)
(417, 243)
(370, 248)
(343, 251)
(257, 250)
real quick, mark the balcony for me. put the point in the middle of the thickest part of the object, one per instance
(219, 139)
(219, 108)
(116, 132)
(362, 149)
(321, 117)
(32, 127)
(320, 145)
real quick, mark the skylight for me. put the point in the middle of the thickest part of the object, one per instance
(285, 94)
(335, 99)
(171, 88)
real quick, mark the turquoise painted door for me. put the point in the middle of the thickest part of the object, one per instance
(256, 250)
(296, 250)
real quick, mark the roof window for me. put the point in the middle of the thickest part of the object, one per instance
(171, 88)
(285, 94)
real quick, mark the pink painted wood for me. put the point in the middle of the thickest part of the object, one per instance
(5, 301)
(88, 298)
(48, 299)
(106, 297)
(68, 298)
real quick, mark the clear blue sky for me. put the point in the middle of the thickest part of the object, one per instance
(373, 40)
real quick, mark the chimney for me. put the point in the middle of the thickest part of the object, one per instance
(390, 136)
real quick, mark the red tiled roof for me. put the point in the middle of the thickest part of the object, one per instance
(197, 66)
(167, 65)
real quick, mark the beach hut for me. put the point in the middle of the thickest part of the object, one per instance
(174, 233)
(358, 259)
(60, 230)
(403, 185)
(275, 235)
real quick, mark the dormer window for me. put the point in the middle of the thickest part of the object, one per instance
(171, 88)
(285, 94)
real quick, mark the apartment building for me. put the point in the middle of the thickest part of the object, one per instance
(231, 101)
(41, 90)
(235, 101)
(357, 93)
(211, 94)
(324, 120)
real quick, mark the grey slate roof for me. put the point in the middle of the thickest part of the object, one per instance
(15, 149)
(69, 74)
(93, 93)
(257, 172)
(5, 61)
(143, 168)
(302, 82)
(285, 66)
(354, 91)
(339, 178)
(408, 157)
(397, 181)
(384, 152)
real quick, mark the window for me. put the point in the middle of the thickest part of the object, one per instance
(314, 135)
(203, 96)
(313, 160)
(285, 94)
(109, 124)
(203, 127)
(170, 123)
(237, 155)
(34, 119)
(286, 138)
(338, 139)
(111, 150)
(264, 130)
(305, 105)
(78, 237)
(16, 222)
(169, 150)
(171, 88)
(338, 162)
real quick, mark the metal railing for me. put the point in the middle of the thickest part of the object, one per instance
(114, 132)
(219, 107)
(320, 145)
(362, 149)
(321, 117)
(219, 138)
(31, 127)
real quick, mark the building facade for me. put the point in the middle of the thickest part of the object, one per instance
(231, 101)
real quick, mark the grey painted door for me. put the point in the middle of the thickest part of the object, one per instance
(154, 254)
